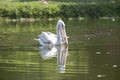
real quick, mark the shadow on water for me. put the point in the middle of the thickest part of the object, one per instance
(60, 51)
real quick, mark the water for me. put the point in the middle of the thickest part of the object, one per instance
(93, 52)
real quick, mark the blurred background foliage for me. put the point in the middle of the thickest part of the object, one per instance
(17, 9)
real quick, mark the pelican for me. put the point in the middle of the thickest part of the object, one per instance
(49, 38)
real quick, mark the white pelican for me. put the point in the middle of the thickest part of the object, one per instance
(51, 39)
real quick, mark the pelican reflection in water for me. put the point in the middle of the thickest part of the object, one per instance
(60, 52)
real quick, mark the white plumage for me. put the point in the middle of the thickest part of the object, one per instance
(48, 38)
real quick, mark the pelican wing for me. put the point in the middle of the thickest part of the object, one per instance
(47, 38)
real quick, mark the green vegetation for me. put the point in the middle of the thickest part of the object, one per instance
(91, 10)
(14, 9)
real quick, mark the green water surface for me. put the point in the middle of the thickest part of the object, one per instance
(93, 51)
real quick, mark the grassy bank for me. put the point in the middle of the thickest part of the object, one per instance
(36, 10)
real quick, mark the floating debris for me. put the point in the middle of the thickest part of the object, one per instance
(113, 19)
(114, 66)
(106, 64)
(98, 52)
(108, 52)
(99, 75)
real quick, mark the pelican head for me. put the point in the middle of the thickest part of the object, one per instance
(61, 33)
